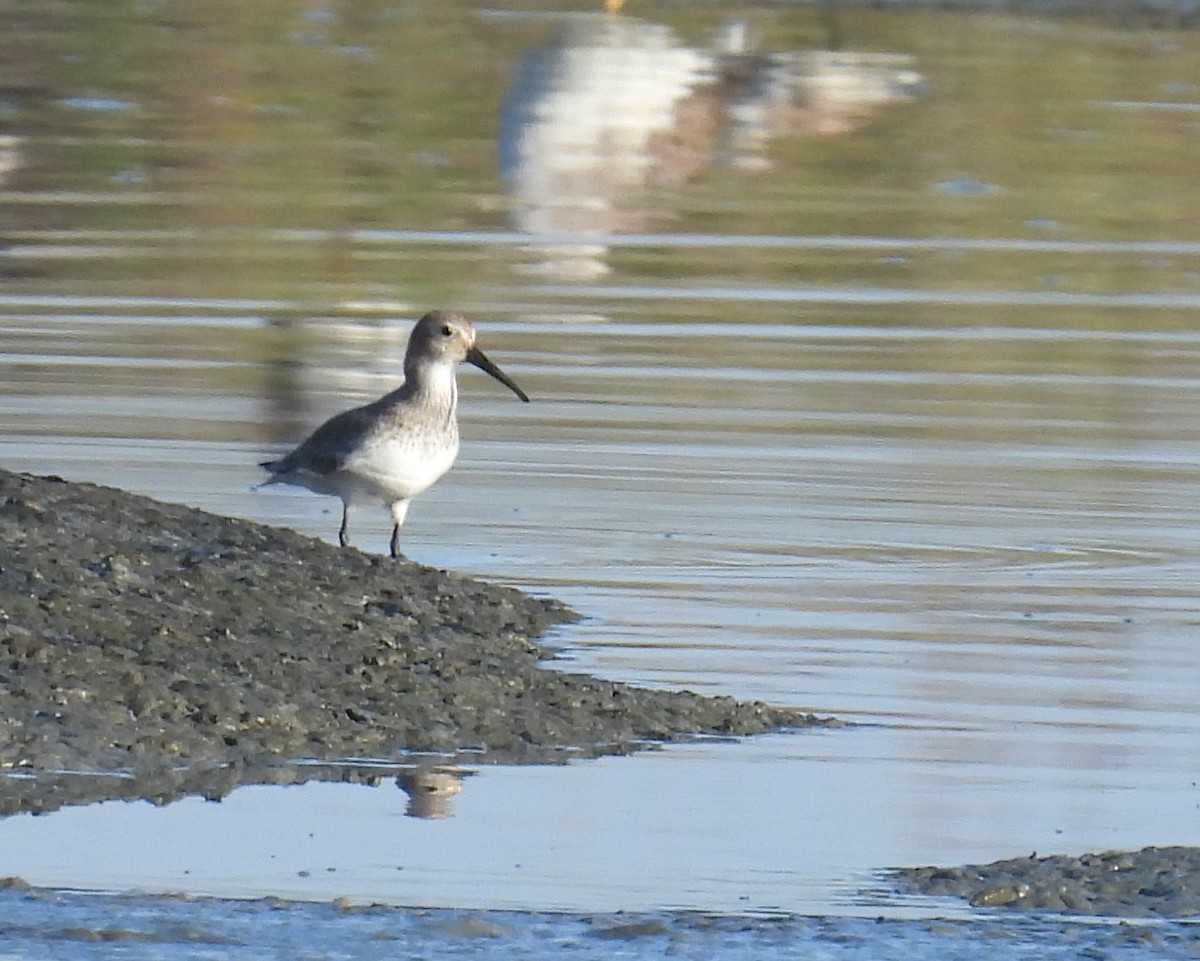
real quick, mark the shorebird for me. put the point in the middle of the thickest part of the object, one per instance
(396, 447)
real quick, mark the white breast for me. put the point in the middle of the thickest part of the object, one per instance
(398, 468)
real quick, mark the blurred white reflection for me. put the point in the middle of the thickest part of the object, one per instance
(10, 156)
(615, 106)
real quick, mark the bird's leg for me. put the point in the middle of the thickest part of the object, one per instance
(343, 537)
(399, 512)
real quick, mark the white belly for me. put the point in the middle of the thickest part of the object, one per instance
(393, 470)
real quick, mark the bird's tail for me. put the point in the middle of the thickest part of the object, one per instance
(274, 468)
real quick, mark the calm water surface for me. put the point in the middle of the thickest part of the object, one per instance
(882, 403)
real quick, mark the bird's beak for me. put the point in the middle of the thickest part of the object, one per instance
(479, 359)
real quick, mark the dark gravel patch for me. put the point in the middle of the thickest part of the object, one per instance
(1152, 882)
(180, 647)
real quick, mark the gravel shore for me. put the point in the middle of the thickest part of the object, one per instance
(1152, 882)
(41, 924)
(188, 653)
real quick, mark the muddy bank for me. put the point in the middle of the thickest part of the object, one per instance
(41, 923)
(143, 637)
(1152, 882)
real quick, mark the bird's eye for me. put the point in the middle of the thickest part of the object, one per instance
(446, 331)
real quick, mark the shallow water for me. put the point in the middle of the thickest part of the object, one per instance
(895, 421)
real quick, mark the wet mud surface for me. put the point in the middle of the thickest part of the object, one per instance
(189, 653)
(1152, 882)
(43, 924)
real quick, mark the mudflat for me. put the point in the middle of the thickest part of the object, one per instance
(182, 652)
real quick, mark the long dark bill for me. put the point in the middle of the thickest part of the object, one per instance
(479, 359)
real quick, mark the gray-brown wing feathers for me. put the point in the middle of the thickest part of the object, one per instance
(330, 445)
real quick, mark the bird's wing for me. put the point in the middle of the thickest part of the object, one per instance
(329, 446)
